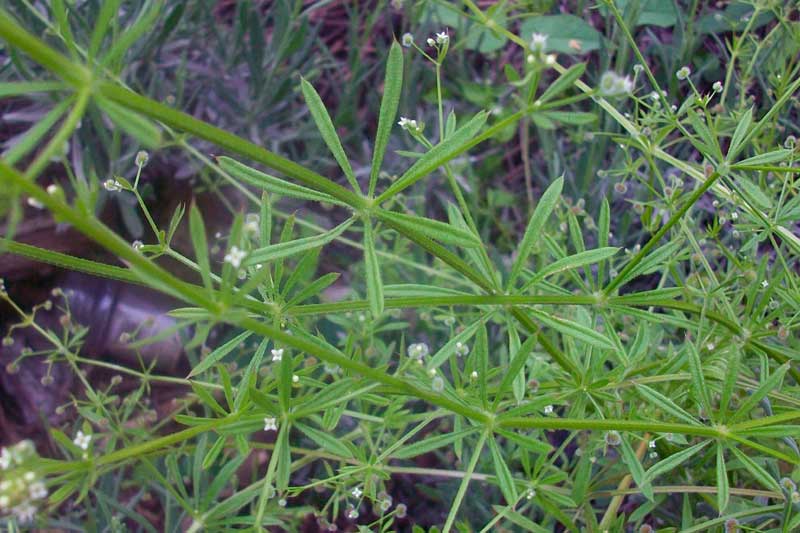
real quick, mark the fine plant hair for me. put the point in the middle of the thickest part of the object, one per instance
(636, 345)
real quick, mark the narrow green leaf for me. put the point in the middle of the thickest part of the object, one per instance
(108, 10)
(729, 382)
(772, 383)
(758, 472)
(739, 134)
(514, 368)
(197, 230)
(406, 290)
(437, 156)
(529, 443)
(768, 158)
(284, 457)
(449, 348)
(23, 88)
(578, 260)
(271, 183)
(281, 250)
(636, 469)
(218, 354)
(573, 329)
(481, 351)
(392, 87)
(536, 223)
(213, 452)
(436, 230)
(574, 118)
(504, 478)
(135, 125)
(753, 193)
(665, 404)
(723, 491)
(563, 82)
(328, 131)
(29, 140)
(673, 461)
(431, 443)
(208, 399)
(373, 271)
(325, 440)
(698, 380)
(143, 23)
(313, 288)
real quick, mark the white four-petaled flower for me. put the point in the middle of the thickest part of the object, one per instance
(357, 492)
(548, 409)
(235, 256)
(270, 424)
(277, 354)
(82, 440)
(442, 38)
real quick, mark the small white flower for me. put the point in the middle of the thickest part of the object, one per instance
(683, 73)
(548, 409)
(142, 158)
(418, 350)
(357, 492)
(33, 202)
(550, 60)
(717, 87)
(295, 378)
(37, 491)
(277, 354)
(431, 42)
(474, 375)
(612, 84)
(530, 494)
(734, 216)
(270, 424)
(538, 42)
(461, 349)
(82, 440)
(24, 512)
(112, 185)
(437, 384)
(408, 124)
(407, 40)
(137, 245)
(29, 476)
(442, 38)
(651, 444)
(52, 188)
(235, 257)
(5, 459)
(765, 284)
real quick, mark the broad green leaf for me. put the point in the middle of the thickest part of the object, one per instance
(217, 355)
(739, 134)
(431, 443)
(373, 272)
(573, 329)
(437, 156)
(135, 125)
(636, 469)
(281, 250)
(536, 223)
(567, 34)
(439, 231)
(673, 461)
(504, 478)
(665, 404)
(325, 440)
(328, 131)
(197, 230)
(271, 183)
(392, 87)
(723, 490)
(589, 257)
(772, 383)
(563, 82)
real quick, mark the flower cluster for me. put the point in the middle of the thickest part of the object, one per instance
(410, 125)
(235, 257)
(612, 84)
(538, 47)
(21, 489)
(418, 350)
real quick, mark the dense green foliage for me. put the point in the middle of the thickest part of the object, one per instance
(608, 346)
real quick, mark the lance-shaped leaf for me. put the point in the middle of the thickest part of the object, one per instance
(636, 469)
(504, 479)
(673, 461)
(739, 135)
(437, 156)
(271, 183)
(589, 257)
(218, 354)
(563, 82)
(573, 329)
(327, 130)
(662, 402)
(770, 384)
(432, 443)
(533, 232)
(135, 125)
(439, 231)
(392, 86)
(286, 249)
(373, 271)
(197, 230)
